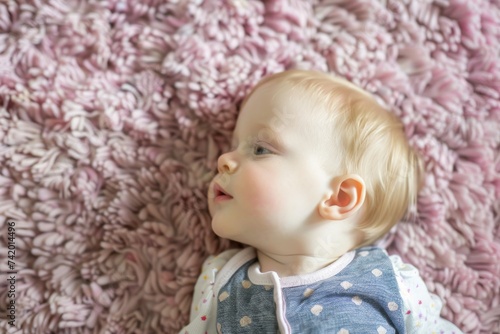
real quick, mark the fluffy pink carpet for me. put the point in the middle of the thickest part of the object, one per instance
(112, 114)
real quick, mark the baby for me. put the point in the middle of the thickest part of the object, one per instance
(318, 171)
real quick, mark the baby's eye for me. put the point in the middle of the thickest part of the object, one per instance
(260, 150)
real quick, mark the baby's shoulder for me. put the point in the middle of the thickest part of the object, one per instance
(371, 256)
(376, 256)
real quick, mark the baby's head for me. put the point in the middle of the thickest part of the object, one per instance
(311, 149)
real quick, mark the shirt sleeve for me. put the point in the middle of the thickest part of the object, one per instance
(421, 308)
(204, 305)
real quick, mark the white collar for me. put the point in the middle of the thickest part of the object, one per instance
(268, 278)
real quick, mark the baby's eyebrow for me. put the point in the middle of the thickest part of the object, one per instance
(269, 129)
(268, 134)
(262, 132)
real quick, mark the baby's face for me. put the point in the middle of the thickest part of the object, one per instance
(270, 184)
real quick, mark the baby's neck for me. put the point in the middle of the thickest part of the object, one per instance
(293, 265)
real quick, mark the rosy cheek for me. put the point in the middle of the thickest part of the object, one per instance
(260, 192)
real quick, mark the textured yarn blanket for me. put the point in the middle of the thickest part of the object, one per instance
(113, 113)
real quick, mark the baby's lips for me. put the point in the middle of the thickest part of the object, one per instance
(218, 190)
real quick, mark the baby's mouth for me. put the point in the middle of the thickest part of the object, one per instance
(220, 194)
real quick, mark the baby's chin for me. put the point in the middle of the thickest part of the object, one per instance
(217, 230)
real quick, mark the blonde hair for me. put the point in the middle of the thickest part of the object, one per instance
(372, 144)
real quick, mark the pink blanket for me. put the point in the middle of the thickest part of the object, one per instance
(112, 114)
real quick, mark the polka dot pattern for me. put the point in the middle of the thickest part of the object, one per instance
(316, 309)
(346, 285)
(223, 296)
(357, 300)
(370, 283)
(381, 330)
(393, 306)
(360, 290)
(246, 284)
(245, 321)
(308, 292)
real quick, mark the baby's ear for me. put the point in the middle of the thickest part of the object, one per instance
(345, 198)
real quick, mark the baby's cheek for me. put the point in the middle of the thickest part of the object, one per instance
(261, 194)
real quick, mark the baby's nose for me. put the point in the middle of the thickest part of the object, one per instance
(226, 163)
